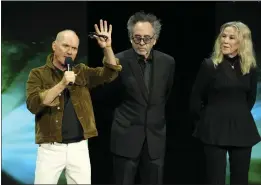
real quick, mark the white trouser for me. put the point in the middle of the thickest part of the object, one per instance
(53, 158)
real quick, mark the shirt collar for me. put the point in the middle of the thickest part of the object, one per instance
(141, 57)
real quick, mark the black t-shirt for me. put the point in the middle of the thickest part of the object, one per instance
(72, 130)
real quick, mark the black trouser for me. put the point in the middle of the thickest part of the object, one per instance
(239, 159)
(150, 171)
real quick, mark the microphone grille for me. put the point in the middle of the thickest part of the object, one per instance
(68, 60)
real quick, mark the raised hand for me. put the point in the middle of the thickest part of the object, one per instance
(103, 30)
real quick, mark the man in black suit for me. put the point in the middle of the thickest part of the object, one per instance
(138, 131)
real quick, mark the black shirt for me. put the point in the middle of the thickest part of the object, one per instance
(72, 130)
(146, 68)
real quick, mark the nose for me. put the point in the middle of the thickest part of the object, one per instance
(226, 40)
(69, 51)
(142, 42)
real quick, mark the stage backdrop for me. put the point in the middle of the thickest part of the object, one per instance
(19, 56)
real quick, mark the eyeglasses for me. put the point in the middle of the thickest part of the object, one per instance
(146, 39)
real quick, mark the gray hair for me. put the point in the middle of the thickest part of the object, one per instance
(143, 17)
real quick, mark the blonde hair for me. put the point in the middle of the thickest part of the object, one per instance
(245, 50)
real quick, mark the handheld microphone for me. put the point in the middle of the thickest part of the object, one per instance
(93, 35)
(69, 63)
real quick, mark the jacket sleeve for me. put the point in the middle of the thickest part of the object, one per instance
(251, 94)
(100, 75)
(199, 89)
(35, 93)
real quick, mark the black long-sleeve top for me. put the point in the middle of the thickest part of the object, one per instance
(221, 103)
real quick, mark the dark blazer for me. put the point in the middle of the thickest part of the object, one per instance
(140, 114)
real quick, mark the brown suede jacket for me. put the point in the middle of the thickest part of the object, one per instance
(48, 119)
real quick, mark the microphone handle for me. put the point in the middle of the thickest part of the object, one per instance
(68, 69)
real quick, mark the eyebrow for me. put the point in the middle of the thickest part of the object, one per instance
(141, 36)
(65, 44)
(228, 34)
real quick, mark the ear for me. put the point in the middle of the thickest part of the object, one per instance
(54, 46)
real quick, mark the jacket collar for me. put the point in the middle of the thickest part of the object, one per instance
(49, 61)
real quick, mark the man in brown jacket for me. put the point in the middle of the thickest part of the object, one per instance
(64, 117)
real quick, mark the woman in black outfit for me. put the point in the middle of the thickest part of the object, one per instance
(222, 98)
